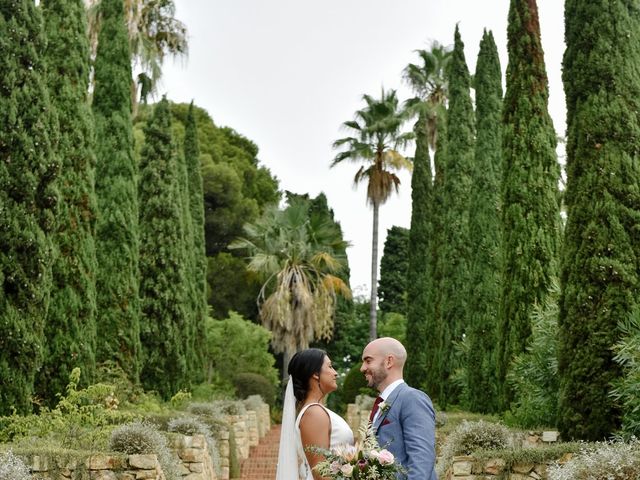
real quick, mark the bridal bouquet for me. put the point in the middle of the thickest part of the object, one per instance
(363, 461)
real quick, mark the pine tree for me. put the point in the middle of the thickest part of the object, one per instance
(455, 221)
(601, 254)
(117, 249)
(530, 199)
(196, 208)
(164, 295)
(419, 269)
(28, 167)
(392, 288)
(484, 229)
(71, 323)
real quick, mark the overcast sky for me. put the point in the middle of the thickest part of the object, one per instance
(287, 73)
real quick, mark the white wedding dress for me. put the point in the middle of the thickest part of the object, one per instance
(292, 461)
(341, 434)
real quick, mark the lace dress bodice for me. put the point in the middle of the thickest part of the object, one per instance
(341, 434)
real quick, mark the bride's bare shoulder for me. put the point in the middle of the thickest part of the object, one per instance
(314, 416)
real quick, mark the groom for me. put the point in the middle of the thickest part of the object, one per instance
(405, 424)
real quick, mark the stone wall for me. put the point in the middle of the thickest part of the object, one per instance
(467, 468)
(192, 451)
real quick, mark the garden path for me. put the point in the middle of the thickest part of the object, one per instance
(263, 458)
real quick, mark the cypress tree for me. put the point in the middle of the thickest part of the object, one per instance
(71, 327)
(433, 332)
(164, 295)
(454, 250)
(196, 208)
(530, 199)
(28, 167)
(601, 253)
(392, 288)
(117, 233)
(484, 229)
(419, 262)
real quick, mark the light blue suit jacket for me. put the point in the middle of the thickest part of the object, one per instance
(408, 430)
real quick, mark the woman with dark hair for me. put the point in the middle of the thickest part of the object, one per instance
(306, 422)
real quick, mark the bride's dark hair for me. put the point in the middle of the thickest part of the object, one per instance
(302, 366)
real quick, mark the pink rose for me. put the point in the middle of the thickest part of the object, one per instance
(334, 467)
(347, 470)
(385, 457)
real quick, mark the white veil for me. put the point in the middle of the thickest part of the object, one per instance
(288, 466)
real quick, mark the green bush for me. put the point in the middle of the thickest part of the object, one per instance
(143, 438)
(534, 374)
(469, 437)
(248, 384)
(626, 389)
(13, 467)
(601, 461)
(236, 345)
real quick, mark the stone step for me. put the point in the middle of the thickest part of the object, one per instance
(263, 458)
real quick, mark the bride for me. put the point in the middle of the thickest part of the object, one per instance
(306, 421)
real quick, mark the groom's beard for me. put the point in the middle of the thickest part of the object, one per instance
(376, 377)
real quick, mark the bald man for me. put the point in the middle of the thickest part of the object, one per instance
(405, 424)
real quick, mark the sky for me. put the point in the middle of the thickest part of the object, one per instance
(287, 73)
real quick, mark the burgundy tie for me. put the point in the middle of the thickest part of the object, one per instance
(374, 410)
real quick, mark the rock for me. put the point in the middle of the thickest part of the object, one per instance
(143, 462)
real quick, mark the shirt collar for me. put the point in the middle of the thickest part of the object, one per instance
(390, 388)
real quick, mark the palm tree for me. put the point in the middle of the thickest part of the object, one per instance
(297, 253)
(428, 81)
(377, 138)
(154, 33)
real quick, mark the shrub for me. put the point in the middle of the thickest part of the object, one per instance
(230, 407)
(143, 438)
(534, 374)
(210, 415)
(626, 388)
(471, 436)
(13, 467)
(601, 461)
(236, 345)
(254, 384)
(253, 402)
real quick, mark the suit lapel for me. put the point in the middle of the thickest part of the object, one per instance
(389, 401)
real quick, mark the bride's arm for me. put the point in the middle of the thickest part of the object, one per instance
(315, 430)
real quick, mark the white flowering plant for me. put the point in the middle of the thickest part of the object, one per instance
(365, 460)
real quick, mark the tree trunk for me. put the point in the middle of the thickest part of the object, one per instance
(373, 311)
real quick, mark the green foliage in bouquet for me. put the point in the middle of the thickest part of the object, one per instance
(363, 461)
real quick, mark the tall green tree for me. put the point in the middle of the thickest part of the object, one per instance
(378, 135)
(392, 289)
(419, 268)
(298, 255)
(429, 82)
(196, 246)
(601, 255)
(71, 320)
(153, 32)
(431, 326)
(117, 235)
(530, 197)
(165, 329)
(28, 167)
(484, 230)
(454, 251)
